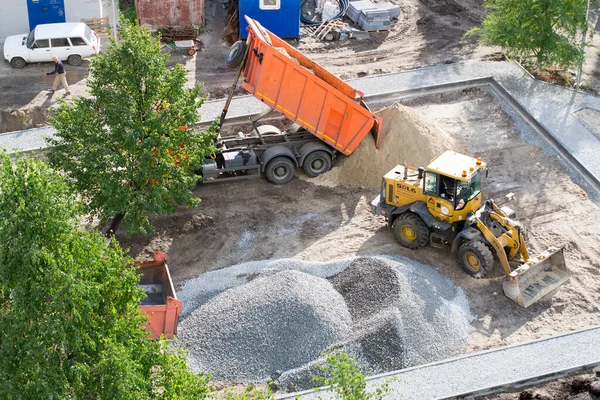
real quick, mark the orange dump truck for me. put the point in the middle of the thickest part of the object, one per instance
(160, 304)
(330, 116)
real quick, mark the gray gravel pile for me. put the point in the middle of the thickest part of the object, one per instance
(245, 322)
(272, 323)
(369, 285)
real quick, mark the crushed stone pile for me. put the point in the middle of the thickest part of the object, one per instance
(272, 323)
(402, 317)
(408, 137)
(389, 312)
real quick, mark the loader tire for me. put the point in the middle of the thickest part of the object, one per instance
(475, 258)
(280, 170)
(410, 230)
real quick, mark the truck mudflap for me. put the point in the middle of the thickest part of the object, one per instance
(537, 278)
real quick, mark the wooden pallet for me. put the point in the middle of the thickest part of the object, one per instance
(179, 32)
(99, 25)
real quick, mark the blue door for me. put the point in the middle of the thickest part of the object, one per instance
(45, 12)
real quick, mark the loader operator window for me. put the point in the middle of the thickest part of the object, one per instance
(466, 191)
(431, 183)
(447, 188)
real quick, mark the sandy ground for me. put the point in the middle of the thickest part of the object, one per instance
(254, 220)
(428, 32)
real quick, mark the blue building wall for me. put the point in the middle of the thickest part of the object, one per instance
(284, 22)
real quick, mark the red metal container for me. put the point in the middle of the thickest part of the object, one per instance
(289, 82)
(160, 304)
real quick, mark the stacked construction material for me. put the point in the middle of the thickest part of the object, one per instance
(375, 20)
(372, 16)
(356, 8)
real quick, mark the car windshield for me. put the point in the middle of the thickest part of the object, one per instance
(30, 39)
(466, 191)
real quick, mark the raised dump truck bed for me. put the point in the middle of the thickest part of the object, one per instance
(289, 82)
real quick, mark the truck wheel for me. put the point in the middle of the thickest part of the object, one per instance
(236, 54)
(317, 163)
(74, 60)
(476, 258)
(410, 230)
(18, 62)
(280, 170)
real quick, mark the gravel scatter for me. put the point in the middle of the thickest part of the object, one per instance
(276, 322)
(389, 312)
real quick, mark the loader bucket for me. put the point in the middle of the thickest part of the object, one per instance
(537, 277)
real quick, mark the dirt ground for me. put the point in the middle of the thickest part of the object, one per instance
(253, 220)
(427, 32)
(583, 386)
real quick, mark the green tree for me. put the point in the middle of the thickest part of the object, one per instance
(69, 320)
(549, 30)
(127, 148)
(346, 380)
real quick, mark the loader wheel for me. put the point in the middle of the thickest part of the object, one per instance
(410, 230)
(236, 54)
(317, 163)
(280, 170)
(476, 258)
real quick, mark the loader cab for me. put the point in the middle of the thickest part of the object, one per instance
(452, 186)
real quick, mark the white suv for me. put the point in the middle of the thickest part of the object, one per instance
(69, 41)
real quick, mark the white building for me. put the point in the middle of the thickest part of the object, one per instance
(20, 16)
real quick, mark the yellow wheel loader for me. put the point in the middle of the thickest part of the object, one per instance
(442, 205)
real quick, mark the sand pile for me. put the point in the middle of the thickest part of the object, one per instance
(408, 137)
(272, 323)
(388, 312)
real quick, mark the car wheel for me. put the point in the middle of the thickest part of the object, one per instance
(18, 62)
(74, 60)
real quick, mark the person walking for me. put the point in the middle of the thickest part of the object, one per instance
(61, 77)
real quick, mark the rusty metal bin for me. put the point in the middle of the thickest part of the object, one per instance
(160, 304)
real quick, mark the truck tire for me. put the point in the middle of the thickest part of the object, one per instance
(236, 54)
(410, 230)
(280, 170)
(18, 62)
(475, 258)
(317, 163)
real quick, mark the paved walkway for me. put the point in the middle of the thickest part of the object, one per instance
(478, 374)
(554, 107)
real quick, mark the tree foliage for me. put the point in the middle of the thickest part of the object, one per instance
(69, 320)
(549, 30)
(127, 148)
(346, 380)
